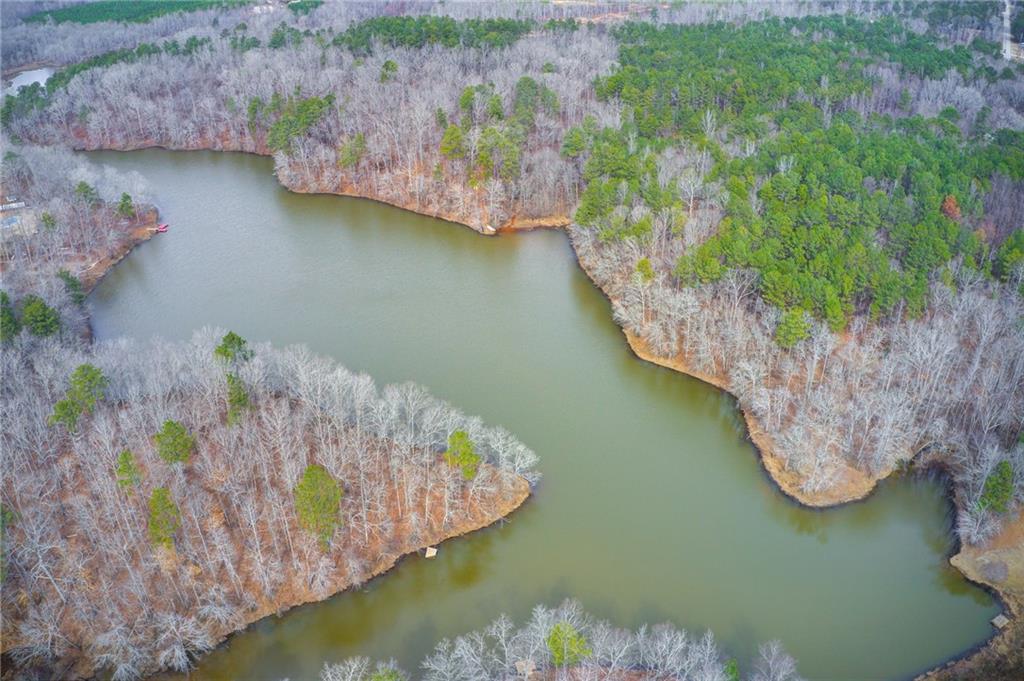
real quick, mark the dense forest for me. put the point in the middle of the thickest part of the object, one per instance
(499, 148)
(817, 207)
(137, 11)
(135, 537)
(802, 208)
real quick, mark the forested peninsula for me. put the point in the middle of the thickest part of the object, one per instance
(159, 496)
(815, 206)
(239, 489)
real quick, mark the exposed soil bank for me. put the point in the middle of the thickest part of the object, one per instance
(138, 232)
(91, 267)
(512, 225)
(223, 143)
(854, 484)
(997, 565)
(380, 555)
(495, 508)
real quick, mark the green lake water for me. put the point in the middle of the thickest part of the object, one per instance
(653, 505)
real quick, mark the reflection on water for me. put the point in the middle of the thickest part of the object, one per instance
(653, 505)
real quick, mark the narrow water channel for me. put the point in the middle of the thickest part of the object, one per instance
(653, 505)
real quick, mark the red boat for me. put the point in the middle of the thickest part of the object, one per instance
(161, 227)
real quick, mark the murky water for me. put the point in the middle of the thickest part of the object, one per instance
(653, 506)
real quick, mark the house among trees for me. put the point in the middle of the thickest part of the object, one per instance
(11, 203)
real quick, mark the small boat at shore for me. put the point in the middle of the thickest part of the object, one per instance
(162, 227)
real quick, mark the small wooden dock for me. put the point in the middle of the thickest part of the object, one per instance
(1000, 621)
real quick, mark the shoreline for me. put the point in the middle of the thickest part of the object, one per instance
(489, 512)
(513, 224)
(295, 595)
(858, 485)
(132, 234)
(986, 660)
(384, 564)
(968, 560)
(138, 235)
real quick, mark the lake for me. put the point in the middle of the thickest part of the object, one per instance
(653, 504)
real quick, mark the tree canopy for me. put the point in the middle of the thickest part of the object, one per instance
(296, 117)
(174, 444)
(135, 11)
(566, 645)
(317, 499)
(837, 213)
(10, 325)
(405, 31)
(127, 470)
(164, 518)
(233, 348)
(998, 490)
(462, 454)
(39, 318)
